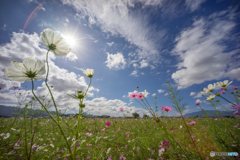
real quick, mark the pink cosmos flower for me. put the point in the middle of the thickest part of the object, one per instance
(222, 92)
(215, 119)
(191, 123)
(237, 107)
(15, 87)
(236, 87)
(197, 104)
(89, 144)
(140, 96)
(121, 109)
(108, 123)
(235, 112)
(105, 137)
(122, 158)
(127, 133)
(133, 95)
(223, 88)
(0, 88)
(103, 129)
(165, 144)
(166, 108)
(88, 134)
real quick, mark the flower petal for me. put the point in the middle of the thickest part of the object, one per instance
(37, 78)
(42, 71)
(44, 37)
(29, 64)
(18, 66)
(15, 75)
(62, 51)
(57, 38)
(39, 65)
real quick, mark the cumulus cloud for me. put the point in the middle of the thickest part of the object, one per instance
(154, 94)
(115, 61)
(160, 91)
(192, 93)
(203, 52)
(143, 64)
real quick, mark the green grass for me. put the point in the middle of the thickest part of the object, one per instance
(145, 137)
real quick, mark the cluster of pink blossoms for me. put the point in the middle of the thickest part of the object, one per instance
(136, 95)
(166, 108)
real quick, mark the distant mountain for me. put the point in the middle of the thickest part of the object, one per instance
(6, 111)
(210, 113)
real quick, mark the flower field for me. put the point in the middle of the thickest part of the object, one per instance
(40, 138)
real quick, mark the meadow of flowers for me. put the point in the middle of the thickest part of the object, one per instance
(59, 137)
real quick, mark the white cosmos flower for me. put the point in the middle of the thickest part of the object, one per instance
(211, 97)
(5, 136)
(55, 42)
(108, 150)
(89, 72)
(209, 89)
(223, 84)
(26, 71)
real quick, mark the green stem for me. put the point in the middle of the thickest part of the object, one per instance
(88, 86)
(49, 88)
(25, 130)
(224, 123)
(69, 149)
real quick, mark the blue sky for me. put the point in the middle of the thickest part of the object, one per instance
(128, 43)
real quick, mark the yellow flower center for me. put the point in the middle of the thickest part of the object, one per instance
(52, 47)
(31, 74)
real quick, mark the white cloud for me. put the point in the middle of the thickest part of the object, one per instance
(194, 4)
(168, 70)
(67, 20)
(143, 64)
(134, 73)
(142, 73)
(160, 91)
(198, 100)
(203, 52)
(154, 94)
(165, 94)
(124, 96)
(192, 93)
(120, 19)
(110, 44)
(135, 65)
(116, 61)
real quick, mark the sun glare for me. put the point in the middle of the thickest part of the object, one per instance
(70, 40)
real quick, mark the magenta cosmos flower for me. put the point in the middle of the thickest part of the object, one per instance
(15, 87)
(166, 108)
(197, 104)
(121, 109)
(237, 107)
(140, 96)
(133, 95)
(191, 123)
(108, 123)
(236, 87)
(165, 144)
